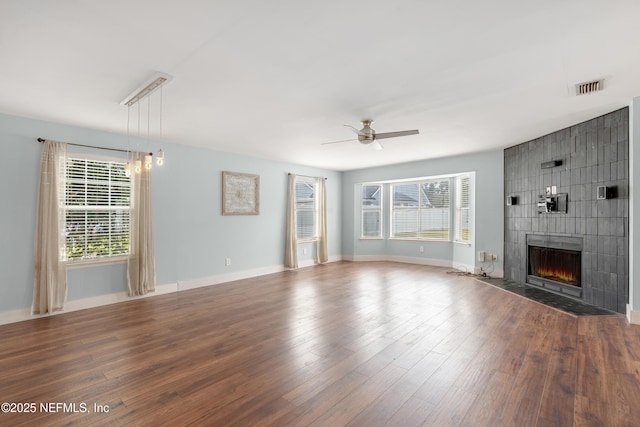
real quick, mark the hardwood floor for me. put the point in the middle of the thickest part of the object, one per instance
(358, 344)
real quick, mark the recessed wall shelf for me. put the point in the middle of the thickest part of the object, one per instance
(551, 164)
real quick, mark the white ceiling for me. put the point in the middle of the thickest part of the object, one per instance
(275, 79)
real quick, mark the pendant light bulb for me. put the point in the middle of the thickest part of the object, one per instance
(138, 166)
(160, 157)
(148, 160)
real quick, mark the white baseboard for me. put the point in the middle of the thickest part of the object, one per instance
(465, 267)
(83, 303)
(311, 262)
(421, 261)
(365, 258)
(396, 258)
(495, 273)
(97, 301)
(20, 315)
(14, 316)
(633, 316)
(227, 277)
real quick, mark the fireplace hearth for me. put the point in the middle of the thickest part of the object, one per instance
(554, 263)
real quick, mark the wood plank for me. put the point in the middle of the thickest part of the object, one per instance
(558, 398)
(349, 407)
(383, 409)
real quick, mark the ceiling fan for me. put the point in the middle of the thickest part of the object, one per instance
(368, 136)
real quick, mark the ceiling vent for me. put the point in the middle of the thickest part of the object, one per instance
(589, 87)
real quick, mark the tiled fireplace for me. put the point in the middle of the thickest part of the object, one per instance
(586, 232)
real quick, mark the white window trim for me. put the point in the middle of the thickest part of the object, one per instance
(387, 209)
(313, 238)
(89, 262)
(456, 219)
(100, 260)
(419, 182)
(380, 209)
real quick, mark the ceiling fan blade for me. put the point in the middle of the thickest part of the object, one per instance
(356, 130)
(335, 142)
(395, 134)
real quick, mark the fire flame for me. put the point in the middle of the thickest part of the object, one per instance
(557, 275)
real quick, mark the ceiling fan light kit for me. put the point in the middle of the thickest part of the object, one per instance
(368, 136)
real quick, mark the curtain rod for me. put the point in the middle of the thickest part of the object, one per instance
(308, 176)
(94, 146)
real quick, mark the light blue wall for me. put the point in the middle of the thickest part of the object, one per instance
(489, 206)
(192, 238)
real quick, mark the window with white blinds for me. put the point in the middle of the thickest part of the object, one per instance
(421, 210)
(371, 211)
(97, 202)
(462, 209)
(306, 209)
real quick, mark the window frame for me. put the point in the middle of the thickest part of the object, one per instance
(458, 202)
(100, 259)
(379, 209)
(314, 209)
(419, 209)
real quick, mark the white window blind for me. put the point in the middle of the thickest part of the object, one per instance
(97, 203)
(463, 211)
(421, 210)
(371, 211)
(306, 212)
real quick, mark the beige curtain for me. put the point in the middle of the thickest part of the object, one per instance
(291, 244)
(50, 279)
(141, 266)
(321, 252)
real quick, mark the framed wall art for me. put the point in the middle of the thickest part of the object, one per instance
(240, 193)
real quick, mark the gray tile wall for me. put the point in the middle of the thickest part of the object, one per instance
(593, 153)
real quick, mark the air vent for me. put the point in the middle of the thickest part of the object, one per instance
(588, 87)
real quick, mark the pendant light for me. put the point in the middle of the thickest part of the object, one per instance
(145, 91)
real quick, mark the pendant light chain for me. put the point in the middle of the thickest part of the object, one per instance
(160, 155)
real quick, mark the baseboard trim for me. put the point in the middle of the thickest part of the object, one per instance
(404, 259)
(20, 315)
(15, 316)
(421, 261)
(633, 316)
(84, 303)
(184, 285)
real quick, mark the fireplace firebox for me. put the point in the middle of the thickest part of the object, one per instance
(554, 263)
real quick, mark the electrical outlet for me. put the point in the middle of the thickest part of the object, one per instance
(481, 256)
(227, 262)
(494, 257)
(421, 248)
